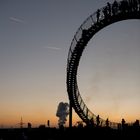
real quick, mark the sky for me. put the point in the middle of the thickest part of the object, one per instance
(35, 36)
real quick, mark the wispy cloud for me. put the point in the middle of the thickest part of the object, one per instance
(17, 20)
(52, 48)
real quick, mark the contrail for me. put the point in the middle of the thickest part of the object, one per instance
(17, 20)
(52, 48)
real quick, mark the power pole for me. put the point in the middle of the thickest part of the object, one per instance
(21, 123)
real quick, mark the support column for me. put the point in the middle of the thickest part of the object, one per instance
(70, 114)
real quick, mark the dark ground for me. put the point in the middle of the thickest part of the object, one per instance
(69, 133)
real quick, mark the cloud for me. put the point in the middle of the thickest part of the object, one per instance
(53, 48)
(17, 20)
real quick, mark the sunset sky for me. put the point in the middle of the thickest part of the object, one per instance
(35, 36)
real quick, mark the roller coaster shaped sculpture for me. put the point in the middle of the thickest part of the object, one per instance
(111, 13)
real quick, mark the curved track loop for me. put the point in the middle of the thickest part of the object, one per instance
(84, 33)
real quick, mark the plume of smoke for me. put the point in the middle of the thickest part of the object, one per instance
(62, 113)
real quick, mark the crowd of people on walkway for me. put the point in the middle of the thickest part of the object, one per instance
(123, 6)
(117, 8)
(98, 122)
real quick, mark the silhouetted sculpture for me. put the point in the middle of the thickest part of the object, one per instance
(85, 32)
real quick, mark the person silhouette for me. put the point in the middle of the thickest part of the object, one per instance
(123, 123)
(138, 1)
(107, 122)
(98, 120)
(109, 8)
(98, 15)
(114, 7)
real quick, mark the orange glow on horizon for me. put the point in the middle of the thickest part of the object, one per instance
(37, 120)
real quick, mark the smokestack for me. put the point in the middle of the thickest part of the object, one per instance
(62, 113)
